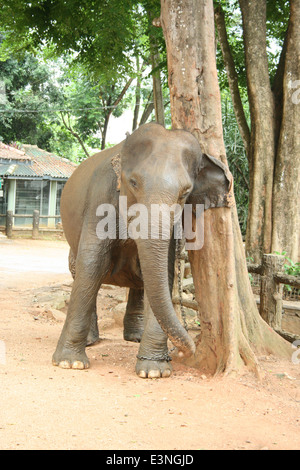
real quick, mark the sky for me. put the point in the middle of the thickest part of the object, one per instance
(117, 127)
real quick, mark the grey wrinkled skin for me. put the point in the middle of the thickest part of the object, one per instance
(153, 165)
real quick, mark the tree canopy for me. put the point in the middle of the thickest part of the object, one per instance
(103, 36)
(28, 91)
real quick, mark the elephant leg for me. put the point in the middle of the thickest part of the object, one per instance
(93, 335)
(72, 263)
(134, 316)
(152, 360)
(90, 271)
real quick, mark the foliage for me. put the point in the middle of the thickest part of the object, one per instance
(290, 268)
(28, 92)
(277, 20)
(99, 39)
(234, 30)
(90, 103)
(62, 143)
(237, 159)
(100, 35)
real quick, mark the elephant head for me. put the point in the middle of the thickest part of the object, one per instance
(160, 166)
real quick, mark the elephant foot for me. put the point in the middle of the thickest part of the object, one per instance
(69, 359)
(133, 327)
(92, 339)
(133, 336)
(150, 369)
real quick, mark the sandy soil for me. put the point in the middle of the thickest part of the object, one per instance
(108, 406)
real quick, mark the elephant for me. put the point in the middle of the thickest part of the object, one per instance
(153, 165)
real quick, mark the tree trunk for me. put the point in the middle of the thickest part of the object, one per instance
(232, 77)
(137, 95)
(157, 86)
(147, 110)
(273, 149)
(231, 327)
(104, 130)
(286, 204)
(157, 91)
(262, 142)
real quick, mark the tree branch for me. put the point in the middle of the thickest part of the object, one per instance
(74, 134)
(137, 96)
(242, 174)
(232, 78)
(121, 95)
(148, 109)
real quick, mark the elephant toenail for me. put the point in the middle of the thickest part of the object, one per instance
(154, 374)
(166, 373)
(142, 374)
(78, 365)
(65, 365)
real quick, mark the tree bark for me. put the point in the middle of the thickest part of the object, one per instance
(137, 96)
(286, 191)
(104, 130)
(147, 110)
(262, 145)
(231, 327)
(277, 89)
(157, 86)
(232, 77)
(157, 91)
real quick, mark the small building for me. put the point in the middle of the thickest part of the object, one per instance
(32, 179)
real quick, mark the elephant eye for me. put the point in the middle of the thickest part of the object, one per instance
(133, 182)
(185, 193)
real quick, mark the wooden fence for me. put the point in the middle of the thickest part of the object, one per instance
(36, 217)
(272, 281)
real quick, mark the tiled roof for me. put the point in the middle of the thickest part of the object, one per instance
(32, 161)
(12, 153)
(18, 170)
(48, 164)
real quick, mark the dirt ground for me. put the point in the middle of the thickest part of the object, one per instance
(107, 406)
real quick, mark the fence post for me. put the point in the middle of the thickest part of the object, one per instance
(9, 223)
(35, 224)
(271, 291)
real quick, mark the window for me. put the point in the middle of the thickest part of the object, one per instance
(32, 195)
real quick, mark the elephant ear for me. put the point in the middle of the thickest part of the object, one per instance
(213, 186)
(116, 164)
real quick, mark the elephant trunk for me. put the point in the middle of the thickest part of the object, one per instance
(153, 255)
